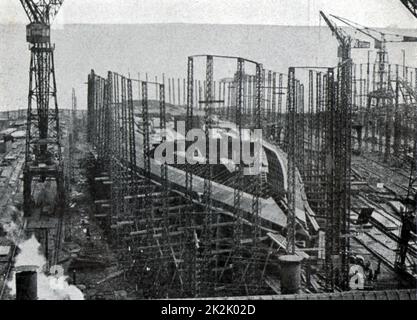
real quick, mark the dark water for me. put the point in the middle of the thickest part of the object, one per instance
(161, 48)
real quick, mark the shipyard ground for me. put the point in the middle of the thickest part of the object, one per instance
(92, 265)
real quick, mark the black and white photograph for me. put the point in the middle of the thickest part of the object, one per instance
(230, 151)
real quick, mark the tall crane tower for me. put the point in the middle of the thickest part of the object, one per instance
(381, 39)
(346, 42)
(43, 159)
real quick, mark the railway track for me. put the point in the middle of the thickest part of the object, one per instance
(10, 194)
(377, 249)
(381, 176)
(382, 241)
(391, 234)
(383, 244)
(396, 171)
(386, 252)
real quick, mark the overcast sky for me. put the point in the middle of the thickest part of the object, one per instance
(377, 13)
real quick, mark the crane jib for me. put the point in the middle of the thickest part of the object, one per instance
(41, 11)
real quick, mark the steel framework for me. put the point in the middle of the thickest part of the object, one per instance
(291, 151)
(388, 130)
(174, 243)
(324, 131)
(43, 157)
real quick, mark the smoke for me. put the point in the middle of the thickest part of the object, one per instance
(50, 287)
(10, 222)
(30, 254)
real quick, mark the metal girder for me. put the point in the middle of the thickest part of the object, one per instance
(164, 166)
(239, 170)
(238, 185)
(411, 5)
(291, 151)
(42, 121)
(32, 10)
(274, 105)
(256, 209)
(115, 169)
(207, 232)
(258, 176)
(131, 124)
(332, 230)
(41, 11)
(91, 110)
(146, 131)
(146, 156)
(343, 166)
(189, 119)
(73, 135)
(163, 126)
(97, 95)
(74, 114)
(207, 128)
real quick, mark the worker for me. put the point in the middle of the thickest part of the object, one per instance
(377, 271)
(359, 260)
(372, 274)
(88, 234)
(369, 271)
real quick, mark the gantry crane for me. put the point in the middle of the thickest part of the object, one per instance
(43, 159)
(346, 42)
(381, 39)
(411, 6)
(381, 99)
